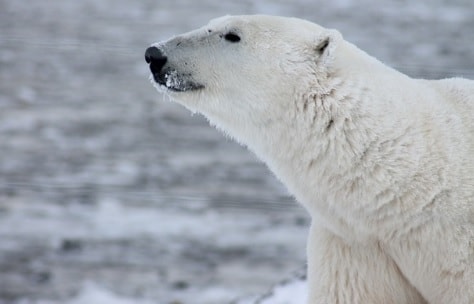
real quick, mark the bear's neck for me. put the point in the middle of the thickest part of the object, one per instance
(340, 150)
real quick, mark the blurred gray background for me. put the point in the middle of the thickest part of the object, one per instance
(109, 193)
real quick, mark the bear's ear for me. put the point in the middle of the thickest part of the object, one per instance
(325, 45)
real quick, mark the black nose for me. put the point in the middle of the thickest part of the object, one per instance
(155, 58)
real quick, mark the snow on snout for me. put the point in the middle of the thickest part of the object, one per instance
(173, 80)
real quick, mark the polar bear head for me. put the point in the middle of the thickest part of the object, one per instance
(243, 72)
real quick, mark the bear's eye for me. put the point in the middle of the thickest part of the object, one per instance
(232, 37)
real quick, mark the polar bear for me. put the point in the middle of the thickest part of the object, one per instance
(383, 163)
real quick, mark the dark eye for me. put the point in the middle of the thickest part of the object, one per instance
(231, 37)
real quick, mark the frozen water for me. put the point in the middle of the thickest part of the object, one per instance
(110, 194)
(292, 291)
(91, 293)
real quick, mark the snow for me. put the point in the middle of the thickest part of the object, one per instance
(172, 80)
(91, 293)
(111, 194)
(292, 291)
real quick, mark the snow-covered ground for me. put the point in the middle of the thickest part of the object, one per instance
(111, 194)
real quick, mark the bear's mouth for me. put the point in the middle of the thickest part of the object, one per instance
(173, 81)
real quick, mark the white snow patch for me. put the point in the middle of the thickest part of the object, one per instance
(290, 292)
(92, 293)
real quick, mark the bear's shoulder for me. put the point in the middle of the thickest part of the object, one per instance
(460, 93)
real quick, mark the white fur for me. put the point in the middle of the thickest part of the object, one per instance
(383, 162)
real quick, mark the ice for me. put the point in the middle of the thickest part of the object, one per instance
(94, 294)
(292, 291)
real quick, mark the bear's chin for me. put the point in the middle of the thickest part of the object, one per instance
(179, 89)
(171, 81)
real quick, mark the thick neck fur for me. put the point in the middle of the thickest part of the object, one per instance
(347, 151)
(359, 148)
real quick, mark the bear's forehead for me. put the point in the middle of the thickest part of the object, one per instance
(231, 21)
(263, 22)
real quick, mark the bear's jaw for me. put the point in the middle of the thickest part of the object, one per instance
(171, 80)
